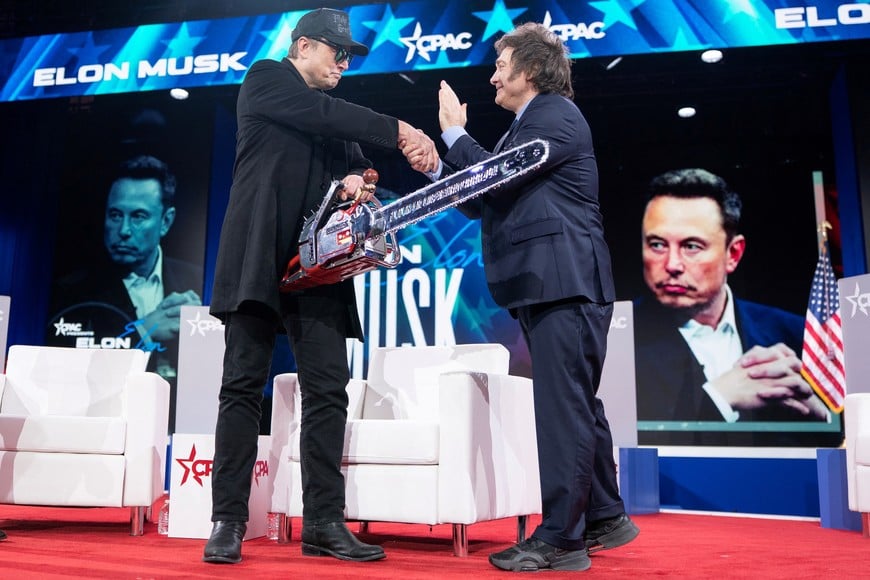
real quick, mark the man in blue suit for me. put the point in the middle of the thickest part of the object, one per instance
(546, 261)
(701, 354)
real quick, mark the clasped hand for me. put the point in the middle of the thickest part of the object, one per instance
(766, 376)
(163, 323)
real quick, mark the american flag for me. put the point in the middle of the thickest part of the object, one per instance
(822, 355)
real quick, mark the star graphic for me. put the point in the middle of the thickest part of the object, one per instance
(482, 315)
(387, 28)
(182, 42)
(187, 465)
(682, 43)
(854, 299)
(194, 325)
(499, 19)
(614, 12)
(279, 38)
(411, 43)
(734, 7)
(89, 53)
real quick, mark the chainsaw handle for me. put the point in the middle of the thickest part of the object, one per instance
(370, 176)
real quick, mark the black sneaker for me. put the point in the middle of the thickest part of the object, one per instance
(533, 554)
(610, 533)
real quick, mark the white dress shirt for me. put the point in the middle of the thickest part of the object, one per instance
(716, 349)
(146, 292)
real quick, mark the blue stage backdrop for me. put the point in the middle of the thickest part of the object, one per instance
(407, 36)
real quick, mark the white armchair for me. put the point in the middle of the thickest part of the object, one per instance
(857, 422)
(435, 435)
(82, 427)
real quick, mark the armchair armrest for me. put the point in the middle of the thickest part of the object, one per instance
(488, 449)
(286, 419)
(856, 416)
(286, 415)
(147, 413)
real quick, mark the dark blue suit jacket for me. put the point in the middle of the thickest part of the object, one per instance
(542, 237)
(669, 378)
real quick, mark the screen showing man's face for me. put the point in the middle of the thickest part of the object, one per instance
(685, 255)
(135, 222)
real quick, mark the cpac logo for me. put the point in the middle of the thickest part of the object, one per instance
(199, 468)
(261, 469)
(203, 325)
(800, 17)
(619, 322)
(859, 301)
(423, 45)
(592, 31)
(173, 67)
(62, 328)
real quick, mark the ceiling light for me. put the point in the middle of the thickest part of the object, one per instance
(613, 63)
(711, 55)
(686, 112)
(179, 94)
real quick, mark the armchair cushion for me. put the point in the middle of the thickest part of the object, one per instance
(381, 441)
(63, 434)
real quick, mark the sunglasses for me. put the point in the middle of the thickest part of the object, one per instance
(341, 53)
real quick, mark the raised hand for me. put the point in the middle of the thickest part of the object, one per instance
(451, 113)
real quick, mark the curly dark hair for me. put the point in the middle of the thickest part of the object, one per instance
(541, 54)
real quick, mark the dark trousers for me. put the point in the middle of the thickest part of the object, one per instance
(568, 341)
(316, 327)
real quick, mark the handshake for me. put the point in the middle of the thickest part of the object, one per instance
(417, 148)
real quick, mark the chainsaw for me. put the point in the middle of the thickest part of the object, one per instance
(340, 240)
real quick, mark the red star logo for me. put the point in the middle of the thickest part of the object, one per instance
(189, 465)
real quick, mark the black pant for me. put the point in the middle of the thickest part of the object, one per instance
(567, 341)
(316, 324)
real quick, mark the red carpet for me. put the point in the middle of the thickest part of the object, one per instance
(50, 543)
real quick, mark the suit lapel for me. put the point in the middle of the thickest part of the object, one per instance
(504, 138)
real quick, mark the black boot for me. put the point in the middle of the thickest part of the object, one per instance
(225, 544)
(334, 539)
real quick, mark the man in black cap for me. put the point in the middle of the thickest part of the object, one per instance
(292, 141)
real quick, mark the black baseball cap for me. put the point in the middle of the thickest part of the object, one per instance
(333, 25)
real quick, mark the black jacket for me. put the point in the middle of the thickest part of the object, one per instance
(291, 142)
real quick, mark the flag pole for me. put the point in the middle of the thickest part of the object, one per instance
(819, 198)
